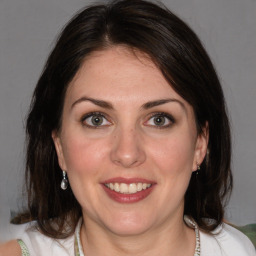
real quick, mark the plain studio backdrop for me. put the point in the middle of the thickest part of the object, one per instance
(227, 28)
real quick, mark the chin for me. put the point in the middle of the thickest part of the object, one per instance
(129, 225)
(124, 230)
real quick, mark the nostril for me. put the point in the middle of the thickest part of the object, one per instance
(126, 148)
(128, 160)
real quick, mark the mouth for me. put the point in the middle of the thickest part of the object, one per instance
(131, 188)
(124, 190)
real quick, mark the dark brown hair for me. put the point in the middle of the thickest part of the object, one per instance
(179, 54)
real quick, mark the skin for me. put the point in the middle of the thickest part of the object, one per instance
(10, 248)
(129, 144)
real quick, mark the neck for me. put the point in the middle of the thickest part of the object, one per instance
(168, 239)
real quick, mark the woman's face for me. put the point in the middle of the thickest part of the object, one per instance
(128, 142)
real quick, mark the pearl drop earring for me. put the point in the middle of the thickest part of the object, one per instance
(64, 182)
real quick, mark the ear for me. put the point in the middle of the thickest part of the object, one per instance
(59, 150)
(201, 147)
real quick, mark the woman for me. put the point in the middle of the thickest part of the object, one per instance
(128, 142)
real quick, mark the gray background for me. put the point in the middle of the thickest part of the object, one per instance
(226, 27)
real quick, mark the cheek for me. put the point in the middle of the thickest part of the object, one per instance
(85, 161)
(174, 154)
(83, 155)
(173, 159)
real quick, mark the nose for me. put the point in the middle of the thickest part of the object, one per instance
(127, 148)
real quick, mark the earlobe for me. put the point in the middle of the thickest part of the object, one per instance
(201, 147)
(59, 150)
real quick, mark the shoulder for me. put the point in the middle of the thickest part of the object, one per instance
(40, 244)
(10, 248)
(227, 241)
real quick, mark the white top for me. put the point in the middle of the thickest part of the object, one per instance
(224, 241)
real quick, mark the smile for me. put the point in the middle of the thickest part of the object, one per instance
(131, 188)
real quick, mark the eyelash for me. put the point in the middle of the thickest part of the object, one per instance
(166, 116)
(153, 115)
(98, 114)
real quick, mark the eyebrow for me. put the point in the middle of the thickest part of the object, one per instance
(100, 103)
(156, 103)
(147, 105)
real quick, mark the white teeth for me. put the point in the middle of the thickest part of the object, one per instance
(128, 188)
(144, 186)
(124, 188)
(116, 187)
(132, 188)
(139, 186)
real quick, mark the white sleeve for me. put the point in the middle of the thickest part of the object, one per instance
(41, 245)
(226, 241)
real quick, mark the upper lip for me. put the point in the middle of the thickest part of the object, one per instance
(128, 180)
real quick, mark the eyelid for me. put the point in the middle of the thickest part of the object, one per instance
(90, 114)
(166, 115)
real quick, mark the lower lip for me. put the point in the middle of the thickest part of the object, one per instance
(128, 198)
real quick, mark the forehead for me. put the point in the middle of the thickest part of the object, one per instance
(121, 75)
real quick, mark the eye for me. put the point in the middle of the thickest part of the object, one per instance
(160, 120)
(94, 120)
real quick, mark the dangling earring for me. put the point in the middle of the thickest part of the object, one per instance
(198, 169)
(64, 182)
(207, 157)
